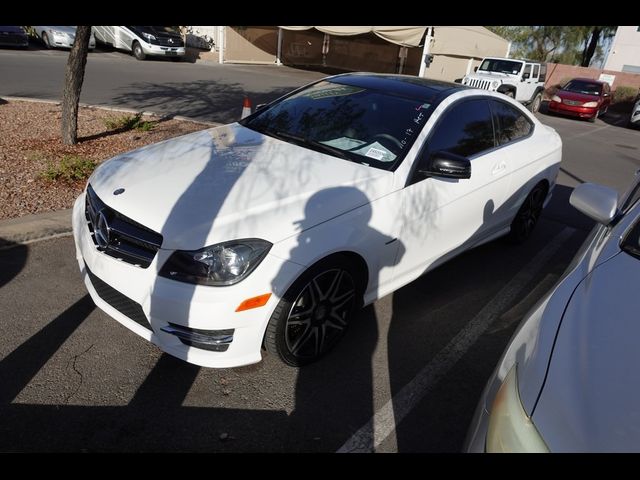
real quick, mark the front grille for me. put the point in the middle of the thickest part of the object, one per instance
(573, 103)
(478, 83)
(120, 237)
(164, 42)
(117, 300)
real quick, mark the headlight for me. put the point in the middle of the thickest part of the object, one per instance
(218, 265)
(57, 32)
(590, 104)
(148, 36)
(510, 428)
(495, 84)
(556, 98)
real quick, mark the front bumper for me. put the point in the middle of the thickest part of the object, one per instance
(150, 49)
(159, 309)
(572, 110)
(14, 40)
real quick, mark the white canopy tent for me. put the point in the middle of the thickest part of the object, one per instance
(403, 36)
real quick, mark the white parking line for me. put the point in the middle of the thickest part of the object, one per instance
(395, 410)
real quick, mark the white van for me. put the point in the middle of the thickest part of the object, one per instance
(143, 41)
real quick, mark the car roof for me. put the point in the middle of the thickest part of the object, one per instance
(404, 85)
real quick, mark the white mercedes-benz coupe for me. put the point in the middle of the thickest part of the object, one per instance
(271, 232)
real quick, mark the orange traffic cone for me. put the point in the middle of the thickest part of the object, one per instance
(246, 107)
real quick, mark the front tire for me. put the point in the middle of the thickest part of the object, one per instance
(137, 51)
(45, 40)
(534, 106)
(527, 217)
(314, 313)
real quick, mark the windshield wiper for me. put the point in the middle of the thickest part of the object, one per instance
(308, 142)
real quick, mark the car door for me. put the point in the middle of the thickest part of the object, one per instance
(528, 85)
(515, 151)
(442, 216)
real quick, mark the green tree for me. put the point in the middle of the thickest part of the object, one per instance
(74, 76)
(574, 45)
(593, 36)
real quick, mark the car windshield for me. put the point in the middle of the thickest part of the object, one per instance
(580, 86)
(502, 66)
(354, 123)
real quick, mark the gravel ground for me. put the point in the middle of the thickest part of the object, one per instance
(30, 143)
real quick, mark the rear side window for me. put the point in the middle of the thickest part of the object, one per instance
(511, 124)
(465, 129)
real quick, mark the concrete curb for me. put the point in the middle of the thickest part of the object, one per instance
(47, 225)
(161, 116)
(35, 227)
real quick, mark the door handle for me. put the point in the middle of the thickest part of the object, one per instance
(499, 168)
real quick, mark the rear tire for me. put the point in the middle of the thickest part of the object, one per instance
(137, 51)
(527, 217)
(534, 106)
(314, 313)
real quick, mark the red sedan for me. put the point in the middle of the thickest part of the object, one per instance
(582, 97)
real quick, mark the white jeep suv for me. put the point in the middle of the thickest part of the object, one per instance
(519, 79)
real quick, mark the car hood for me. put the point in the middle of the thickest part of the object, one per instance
(159, 32)
(65, 29)
(485, 74)
(591, 398)
(11, 29)
(579, 97)
(231, 182)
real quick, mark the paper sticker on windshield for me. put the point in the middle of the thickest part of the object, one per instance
(375, 153)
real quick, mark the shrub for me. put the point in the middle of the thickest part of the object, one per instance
(129, 122)
(69, 168)
(625, 94)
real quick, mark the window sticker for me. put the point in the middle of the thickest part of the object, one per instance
(375, 153)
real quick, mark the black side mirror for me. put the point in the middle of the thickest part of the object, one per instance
(525, 76)
(448, 165)
(475, 69)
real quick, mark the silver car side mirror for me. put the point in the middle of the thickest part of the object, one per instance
(595, 201)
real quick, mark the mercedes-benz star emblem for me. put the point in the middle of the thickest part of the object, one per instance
(118, 191)
(103, 231)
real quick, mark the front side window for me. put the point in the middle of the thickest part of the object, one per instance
(466, 129)
(358, 124)
(511, 124)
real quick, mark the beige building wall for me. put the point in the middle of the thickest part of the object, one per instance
(449, 68)
(624, 55)
(458, 49)
(250, 44)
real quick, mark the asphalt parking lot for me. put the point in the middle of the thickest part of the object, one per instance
(405, 379)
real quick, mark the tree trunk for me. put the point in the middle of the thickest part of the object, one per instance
(74, 77)
(591, 48)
